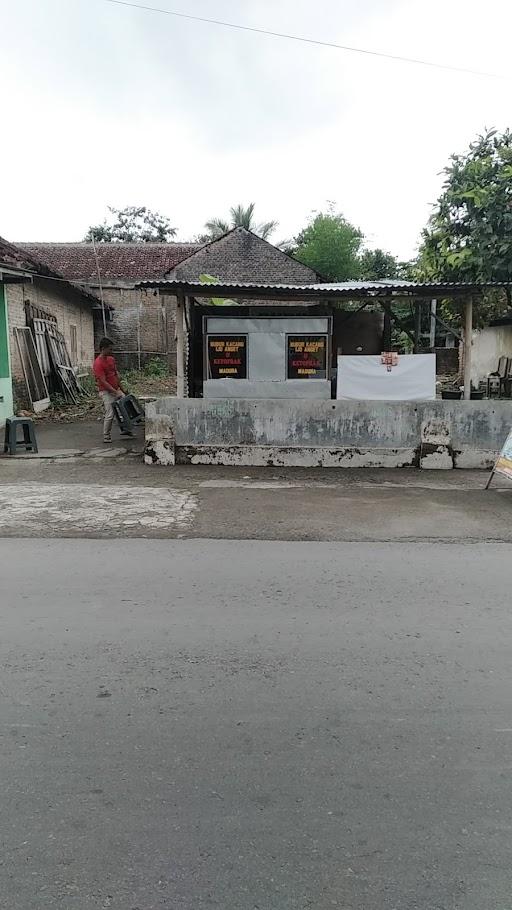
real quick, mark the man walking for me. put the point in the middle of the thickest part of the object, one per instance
(109, 386)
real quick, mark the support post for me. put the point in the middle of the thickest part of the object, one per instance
(386, 337)
(433, 310)
(468, 340)
(139, 310)
(180, 345)
(417, 326)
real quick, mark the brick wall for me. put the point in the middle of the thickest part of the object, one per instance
(142, 325)
(447, 361)
(68, 306)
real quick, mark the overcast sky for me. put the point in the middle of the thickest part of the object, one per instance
(104, 105)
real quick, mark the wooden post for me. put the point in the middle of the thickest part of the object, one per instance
(468, 340)
(139, 310)
(417, 326)
(180, 345)
(433, 310)
(386, 337)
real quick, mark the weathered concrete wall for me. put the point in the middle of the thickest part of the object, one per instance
(489, 345)
(437, 434)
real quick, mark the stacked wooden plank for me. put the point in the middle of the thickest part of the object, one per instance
(46, 363)
(64, 375)
(35, 381)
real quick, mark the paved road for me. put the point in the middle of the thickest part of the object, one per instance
(101, 498)
(255, 726)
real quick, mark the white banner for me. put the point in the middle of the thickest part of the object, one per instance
(366, 378)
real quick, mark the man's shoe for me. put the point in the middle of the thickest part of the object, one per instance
(107, 439)
(127, 433)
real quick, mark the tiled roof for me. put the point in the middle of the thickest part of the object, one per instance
(117, 261)
(241, 255)
(13, 257)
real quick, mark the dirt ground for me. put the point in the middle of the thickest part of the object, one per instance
(90, 407)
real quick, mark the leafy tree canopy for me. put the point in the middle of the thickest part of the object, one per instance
(469, 235)
(239, 216)
(132, 224)
(330, 245)
(376, 265)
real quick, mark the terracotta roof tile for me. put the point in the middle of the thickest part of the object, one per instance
(11, 256)
(117, 261)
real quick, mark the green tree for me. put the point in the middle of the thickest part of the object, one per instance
(330, 245)
(132, 224)
(469, 234)
(376, 265)
(239, 216)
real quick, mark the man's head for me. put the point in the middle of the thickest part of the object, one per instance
(106, 347)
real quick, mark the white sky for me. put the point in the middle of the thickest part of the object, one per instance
(107, 105)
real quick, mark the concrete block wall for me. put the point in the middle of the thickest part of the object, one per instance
(489, 344)
(437, 434)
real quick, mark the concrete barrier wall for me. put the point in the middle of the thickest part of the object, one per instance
(440, 434)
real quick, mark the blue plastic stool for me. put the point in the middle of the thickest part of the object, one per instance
(11, 441)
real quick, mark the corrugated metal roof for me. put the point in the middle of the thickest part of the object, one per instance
(326, 289)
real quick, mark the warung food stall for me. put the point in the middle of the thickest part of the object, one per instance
(267, 356)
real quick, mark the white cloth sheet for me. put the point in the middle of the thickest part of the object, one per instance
(366, 378)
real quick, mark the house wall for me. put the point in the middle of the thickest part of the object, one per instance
(489, 345)
(6, 407)
(68, 306)
(143, 325)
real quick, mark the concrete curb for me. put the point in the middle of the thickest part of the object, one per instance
(67, 454)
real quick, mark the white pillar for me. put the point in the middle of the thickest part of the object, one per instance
(468, 341)
(180, 346)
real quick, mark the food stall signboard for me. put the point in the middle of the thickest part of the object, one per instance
(307, 357)
(227, 356)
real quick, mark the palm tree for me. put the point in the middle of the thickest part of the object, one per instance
(239, 217)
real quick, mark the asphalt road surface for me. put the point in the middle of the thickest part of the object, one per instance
(255, 725)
